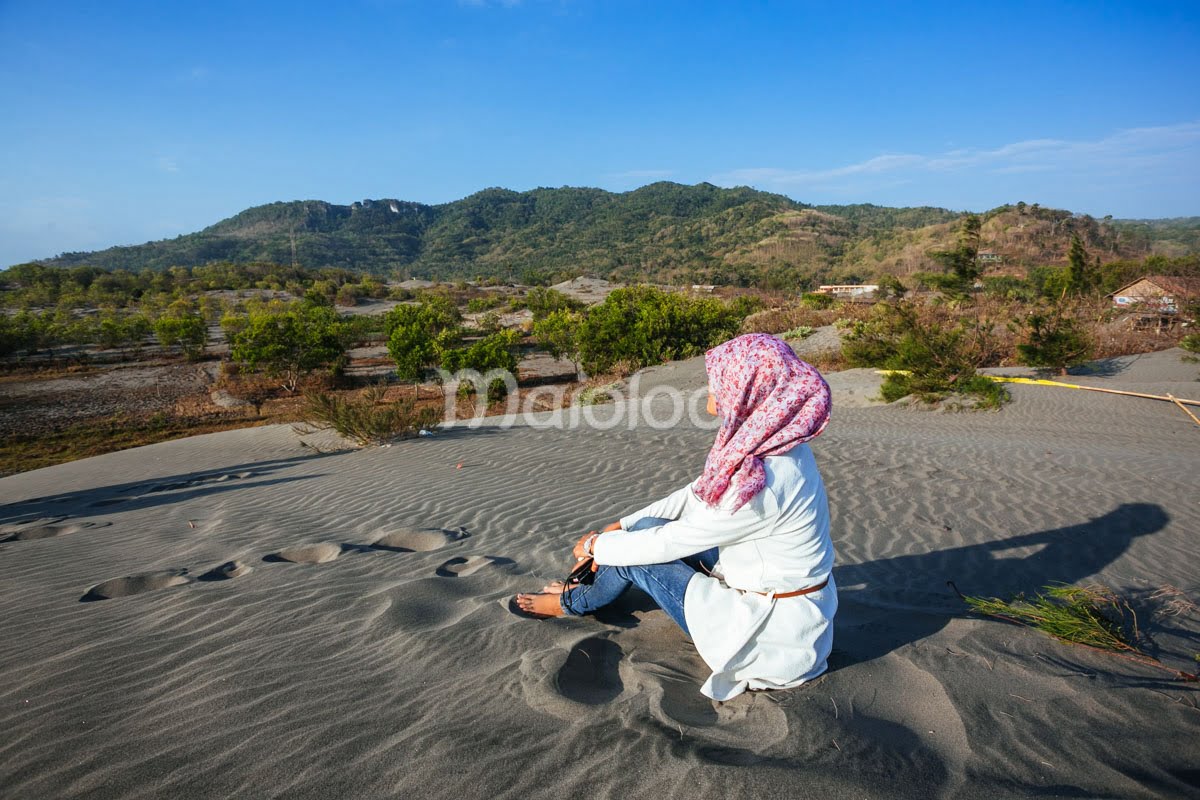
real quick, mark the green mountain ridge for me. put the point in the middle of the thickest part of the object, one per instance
(663, 231)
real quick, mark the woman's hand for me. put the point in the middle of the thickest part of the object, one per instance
(580, 550)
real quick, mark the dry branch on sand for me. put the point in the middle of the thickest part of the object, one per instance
(369, 418)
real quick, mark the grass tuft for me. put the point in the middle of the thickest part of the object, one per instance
(1091, 616)
(799, 332)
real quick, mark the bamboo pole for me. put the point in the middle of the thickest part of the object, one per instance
(1175, 400)
(1039, 382)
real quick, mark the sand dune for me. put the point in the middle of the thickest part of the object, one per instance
(264, 620)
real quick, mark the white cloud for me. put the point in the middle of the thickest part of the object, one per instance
(166, 164)
(1120, 152)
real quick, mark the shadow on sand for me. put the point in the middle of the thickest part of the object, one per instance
(148, 493)
(886, 604)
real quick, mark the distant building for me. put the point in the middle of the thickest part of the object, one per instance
(705, 288)
(847, 290)
(989, 257)
(1164, 294)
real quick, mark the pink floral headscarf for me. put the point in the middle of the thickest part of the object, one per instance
(769, 401)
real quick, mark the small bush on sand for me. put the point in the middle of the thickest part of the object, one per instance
(367, 419)
(930, 354)
(1091, 616)
(1055, 340)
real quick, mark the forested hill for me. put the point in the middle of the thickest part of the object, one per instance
(663, 232)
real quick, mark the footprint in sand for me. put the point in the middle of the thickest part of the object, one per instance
(34, 531)
(591, 674)
(228, 570)
(319, 553)
(682, 703)
(135, 584)
(462, 567)
(414, 540)
(150, 581)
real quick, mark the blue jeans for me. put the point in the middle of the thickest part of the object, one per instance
(666, 583)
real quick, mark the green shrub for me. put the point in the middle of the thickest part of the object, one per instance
(497, 389)
(932, 354)
(348, 294)
(413, 333)
(183, 326)
(961, 265)
(947, 283)
(1050, 282)
(816, 300)
(489, 323)
(543, 302)
(122, 330)
(485, 303)
(363, 328)
(642, 325)
(290, 344)
(26, 331)
(1054, 340)
(411, 346)
(1191, 342)
(494, 351)
(372, 287)
(1007, 287)
(557, 334)
(891, 287)
(367, 419)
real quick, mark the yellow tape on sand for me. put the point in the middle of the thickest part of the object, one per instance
(1179, 401)
(1061, 384)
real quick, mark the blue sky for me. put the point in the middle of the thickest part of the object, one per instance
(126, 122)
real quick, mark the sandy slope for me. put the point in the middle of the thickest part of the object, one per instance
(363, 647)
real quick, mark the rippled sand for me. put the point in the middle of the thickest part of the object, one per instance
(235, 615)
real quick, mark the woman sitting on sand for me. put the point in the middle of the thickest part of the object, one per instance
(741, 558)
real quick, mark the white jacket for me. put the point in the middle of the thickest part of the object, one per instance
(777, 542)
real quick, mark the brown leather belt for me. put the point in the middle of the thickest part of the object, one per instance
(799, 592)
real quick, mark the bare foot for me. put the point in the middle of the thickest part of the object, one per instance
(542, 605)
(558, 587)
